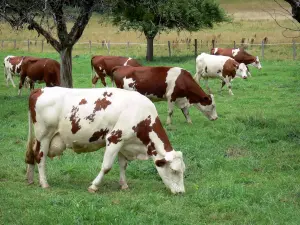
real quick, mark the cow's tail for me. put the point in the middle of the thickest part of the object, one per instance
(92, 68)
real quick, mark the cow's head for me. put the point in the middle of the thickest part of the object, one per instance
(256, 63)
(208, 107)
(171, 169)
(242, 71)
(94, 80)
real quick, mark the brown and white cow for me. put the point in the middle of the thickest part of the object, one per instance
(12, 66)
(218, 66)
(103, 66)
(239, 55)
(173, 84)
(85, 120)
(42, 70)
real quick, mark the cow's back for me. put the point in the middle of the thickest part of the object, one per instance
(145, 80)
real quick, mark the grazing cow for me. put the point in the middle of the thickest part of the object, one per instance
(217, 66)
(239, 55)
(12, 66)
(173, 84)
(103, 66)
(39, 70)
(87, 119)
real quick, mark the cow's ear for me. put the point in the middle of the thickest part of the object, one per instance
(160, 162)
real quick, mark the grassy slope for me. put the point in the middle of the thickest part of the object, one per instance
(241, 169)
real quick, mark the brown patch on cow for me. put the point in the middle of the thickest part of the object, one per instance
(75, 121)
(147, 80)
(186, 86)
(34, 95)
(37, 154)
(90, 117)
(241, 57)
(99, 134)
(229, 68)
(82, 102)
(143, 129)
(101, 104)
(161, 133)
(107, 94)
(115, 137)
(160, 162)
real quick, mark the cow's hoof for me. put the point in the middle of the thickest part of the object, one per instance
(124, 187)
(92, 189)
(45, 186)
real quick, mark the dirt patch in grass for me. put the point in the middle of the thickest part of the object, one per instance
(236, 153)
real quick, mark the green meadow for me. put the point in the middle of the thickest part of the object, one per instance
(243, 168)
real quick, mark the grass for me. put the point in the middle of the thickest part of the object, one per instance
(241, 169)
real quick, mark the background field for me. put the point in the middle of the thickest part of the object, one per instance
(243, 168)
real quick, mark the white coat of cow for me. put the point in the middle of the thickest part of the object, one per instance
(12, 66)
(85, 120)
(217, 66)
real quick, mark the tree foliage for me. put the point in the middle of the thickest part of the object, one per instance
(154, 16)
(49, 18)
(295, 4)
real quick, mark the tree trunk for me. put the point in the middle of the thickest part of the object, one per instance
(149, 56)
(66, 68)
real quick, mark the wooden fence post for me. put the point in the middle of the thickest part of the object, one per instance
(108, 47)
(213, 43)
(42, 45)
(169, 47)
(234, 45)
(90, 45)
(15, 44)
(294, 50)
(28, 43)
(2, 44)
(196, 48)
(262, 49)
(103, 44)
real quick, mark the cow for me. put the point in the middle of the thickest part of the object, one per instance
(217, 66)
(239, 55)
(42, 70)
(173, 84)
(85, 120)
(103, 66)
(12, 66)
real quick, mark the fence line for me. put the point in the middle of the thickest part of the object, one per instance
(170, 47)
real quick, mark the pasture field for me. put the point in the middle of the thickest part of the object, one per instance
(243, 168)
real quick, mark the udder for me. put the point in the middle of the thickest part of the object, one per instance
(57, 146)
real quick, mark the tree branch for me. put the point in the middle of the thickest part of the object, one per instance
(81, 21)
(57, 9)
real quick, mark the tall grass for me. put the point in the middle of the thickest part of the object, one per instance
(241, 169)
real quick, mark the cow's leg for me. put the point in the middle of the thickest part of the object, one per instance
(41, 152)
(108, 160)
(227, 81)
(185, 111)
(10, 77)
(206, 85)
(170, 111)
(248, 71)
(112, 80)
(102, 77)
(95, 80)
(123, 164)
(22, 79)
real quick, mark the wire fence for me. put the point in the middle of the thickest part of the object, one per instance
(266, 51)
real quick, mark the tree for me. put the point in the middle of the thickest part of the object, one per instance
(44, 16)
(154, 16)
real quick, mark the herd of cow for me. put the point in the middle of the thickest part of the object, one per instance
(125, 121)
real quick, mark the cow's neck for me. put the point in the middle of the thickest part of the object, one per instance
(196, 94)
(248, 59)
